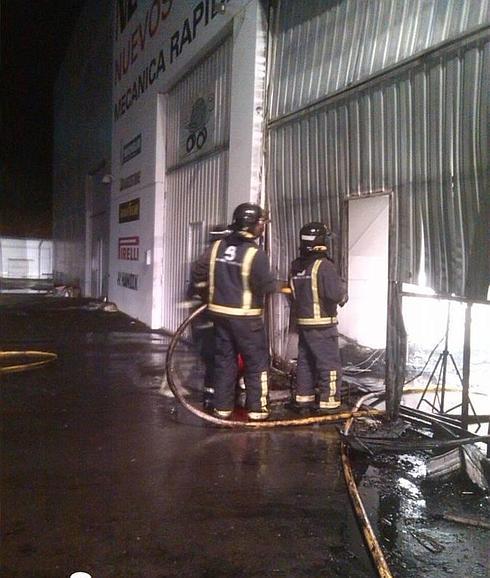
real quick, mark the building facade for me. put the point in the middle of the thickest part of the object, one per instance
(188, 101)
(369, 115)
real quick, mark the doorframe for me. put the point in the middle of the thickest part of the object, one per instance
(392, 243)
(91, 179)
(393, 348)
(344, 258)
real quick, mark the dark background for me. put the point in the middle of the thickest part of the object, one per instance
(34, 38)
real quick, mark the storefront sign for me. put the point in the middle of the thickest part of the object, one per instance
(196, 135)
(129, 211)
(129, 249)
(130, 181)
(176, 25)
(131, 149)
(127, 280)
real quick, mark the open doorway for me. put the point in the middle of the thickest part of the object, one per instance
(363, 320)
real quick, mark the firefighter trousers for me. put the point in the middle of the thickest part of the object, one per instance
(319, 367)
(244, 336)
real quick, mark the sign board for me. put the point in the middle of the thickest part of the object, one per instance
(129, 211)
(129, 248)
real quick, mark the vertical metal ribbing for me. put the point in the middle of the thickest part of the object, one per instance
(320, 47)
(196, 187)
(195, 193)
(406, 134)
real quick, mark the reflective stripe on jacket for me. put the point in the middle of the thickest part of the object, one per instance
(230, 278)
(316, 288)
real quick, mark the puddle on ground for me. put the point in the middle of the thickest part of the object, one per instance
(407, 514)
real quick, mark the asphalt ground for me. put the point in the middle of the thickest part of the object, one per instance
(102, 473)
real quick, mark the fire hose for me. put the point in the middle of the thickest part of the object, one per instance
(226, 423)
(367, 531)
(41, 358)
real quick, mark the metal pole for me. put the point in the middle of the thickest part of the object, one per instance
(466, 366)
(445, 355)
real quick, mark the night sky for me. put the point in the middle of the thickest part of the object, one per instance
(34, 36)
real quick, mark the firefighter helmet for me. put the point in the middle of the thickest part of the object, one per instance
(247, 216)
(313, 237)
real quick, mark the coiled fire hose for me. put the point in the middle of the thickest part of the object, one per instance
(226, 423)
(41, 358)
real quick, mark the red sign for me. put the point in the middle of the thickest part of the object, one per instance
(129, 249)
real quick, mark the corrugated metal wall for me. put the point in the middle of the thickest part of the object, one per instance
(422, 134)
(420, 130)
(196, 182)
(210, 81)
(323, 46)
(195, 195)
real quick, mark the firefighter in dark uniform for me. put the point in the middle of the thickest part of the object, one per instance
(316, 290)
(203, 327)
(238, 276)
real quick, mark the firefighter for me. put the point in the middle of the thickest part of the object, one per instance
(203, 327)
(238, 276)
(316, 290)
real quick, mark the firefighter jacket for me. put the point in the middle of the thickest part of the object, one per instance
(237, 274)
(316, 289)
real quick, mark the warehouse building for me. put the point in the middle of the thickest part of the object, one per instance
(369, 115)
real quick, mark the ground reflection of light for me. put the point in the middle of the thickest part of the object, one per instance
(412, 502)
(418, 468)
(414, 509)
(408, 486)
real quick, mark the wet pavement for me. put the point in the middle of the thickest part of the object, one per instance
(412, 519)
(102, 473)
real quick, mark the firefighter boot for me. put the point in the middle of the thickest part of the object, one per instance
(222, 413)
(302, 405)
(327, 404)
(258, 415)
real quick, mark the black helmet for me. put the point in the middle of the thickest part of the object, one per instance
(313, 237)
(246, 216)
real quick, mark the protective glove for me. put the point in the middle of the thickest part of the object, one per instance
(344, 300)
